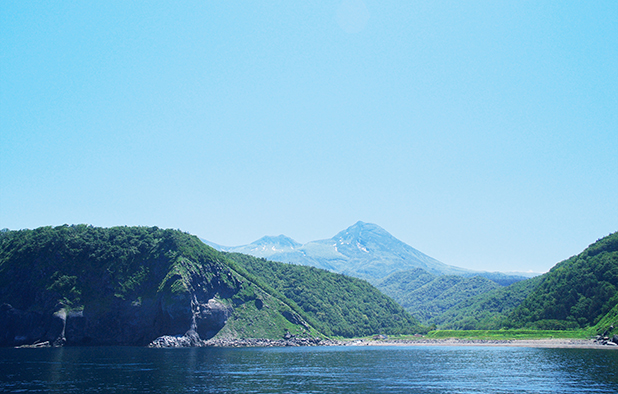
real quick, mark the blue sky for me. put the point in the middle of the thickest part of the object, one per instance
(482, 133)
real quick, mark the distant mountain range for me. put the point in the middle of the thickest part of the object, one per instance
(363, 250)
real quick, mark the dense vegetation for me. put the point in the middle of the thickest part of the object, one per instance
(339, 305)
(427, 296)
(486, 311)
(578, 292)
(127, 284)
(77, 263)
(133, 284)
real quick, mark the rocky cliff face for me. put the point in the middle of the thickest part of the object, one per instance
(19, 327)
(122, 324)
(113, 321)
(81, 285)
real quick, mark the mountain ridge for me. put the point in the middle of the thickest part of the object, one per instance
(364, 250)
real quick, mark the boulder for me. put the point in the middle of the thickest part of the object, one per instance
(189, 339)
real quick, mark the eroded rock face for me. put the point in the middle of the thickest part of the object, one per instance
(130, 324)
(210, 317)
(18, 327)
(183, 320)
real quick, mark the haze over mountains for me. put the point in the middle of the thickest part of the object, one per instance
(364, 250)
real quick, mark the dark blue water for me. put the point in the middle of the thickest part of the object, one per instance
(310, 370)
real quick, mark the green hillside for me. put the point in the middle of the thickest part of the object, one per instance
(339, 305)
(578, 292)
(399, 284)
(130, 285)
(428, 296)
(608, 321)
(486, 311)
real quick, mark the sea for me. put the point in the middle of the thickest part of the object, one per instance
(344, 369)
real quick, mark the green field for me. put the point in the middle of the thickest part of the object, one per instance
(509, 334)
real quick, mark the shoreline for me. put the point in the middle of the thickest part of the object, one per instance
(532, 343)
(172, 342)
(184, 342)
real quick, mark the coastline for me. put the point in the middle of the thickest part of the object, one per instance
(185, 342)
(167, 342)
(533, 343)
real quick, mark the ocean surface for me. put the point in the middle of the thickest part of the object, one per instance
(397, 369)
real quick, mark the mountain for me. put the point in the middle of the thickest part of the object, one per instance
(269, 246)
(363, 250)
(424, 286)
(83, 285)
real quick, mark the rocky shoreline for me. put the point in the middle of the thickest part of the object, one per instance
(191, 340)
(184, 342)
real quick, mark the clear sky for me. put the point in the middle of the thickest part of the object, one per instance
(483, 133)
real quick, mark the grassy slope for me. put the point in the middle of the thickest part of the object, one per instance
(512, 334)
(606, 322)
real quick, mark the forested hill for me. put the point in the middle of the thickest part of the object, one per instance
(577, 292)
(131, 285)
(486, 311)
(340, 305)
(428, 296)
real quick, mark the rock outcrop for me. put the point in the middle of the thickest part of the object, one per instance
(19, 327)
(190, 340)
(123, 324)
